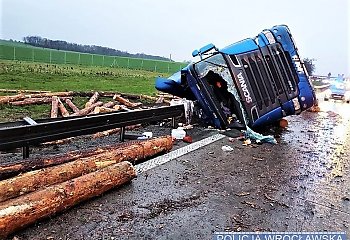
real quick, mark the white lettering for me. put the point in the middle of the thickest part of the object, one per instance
(244, 88)
(269, 237)
(316, 237)
(278, 237)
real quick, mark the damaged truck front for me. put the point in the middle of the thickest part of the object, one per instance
(252, 83)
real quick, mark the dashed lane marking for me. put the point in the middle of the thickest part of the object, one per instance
(145, 166)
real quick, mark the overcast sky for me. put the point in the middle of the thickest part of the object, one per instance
(159, 27)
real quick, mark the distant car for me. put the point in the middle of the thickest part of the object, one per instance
(337, 91)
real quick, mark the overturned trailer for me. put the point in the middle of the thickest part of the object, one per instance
(253, 82)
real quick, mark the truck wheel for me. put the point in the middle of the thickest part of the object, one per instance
(326, 99)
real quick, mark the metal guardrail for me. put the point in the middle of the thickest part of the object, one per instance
(20, 134)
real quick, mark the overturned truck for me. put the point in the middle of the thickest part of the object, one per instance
(253, 82)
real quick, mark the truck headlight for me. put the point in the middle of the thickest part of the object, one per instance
(269, 36)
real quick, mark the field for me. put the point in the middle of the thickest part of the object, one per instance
(23, 52)
(50, 77)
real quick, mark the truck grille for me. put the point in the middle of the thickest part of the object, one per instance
(270, 75)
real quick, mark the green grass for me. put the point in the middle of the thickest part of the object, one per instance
(50, 77)
(24, 52)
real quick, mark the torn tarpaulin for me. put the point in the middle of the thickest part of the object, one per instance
(249, 133)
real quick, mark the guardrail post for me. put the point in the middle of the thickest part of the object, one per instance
(25, 152)
(122, 134)
(173, 123)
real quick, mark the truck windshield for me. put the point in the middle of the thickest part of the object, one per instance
(215, 63)
(215, 75)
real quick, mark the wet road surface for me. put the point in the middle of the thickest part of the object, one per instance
(300, 184)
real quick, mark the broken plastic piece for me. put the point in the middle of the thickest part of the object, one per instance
(226, 148)
(178, 133)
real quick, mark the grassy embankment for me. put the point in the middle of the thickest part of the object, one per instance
(50, 77)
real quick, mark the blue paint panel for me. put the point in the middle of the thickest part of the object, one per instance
(269, 117)
(283, 36)
(243, 46)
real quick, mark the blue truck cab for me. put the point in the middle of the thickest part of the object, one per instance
(253, 82)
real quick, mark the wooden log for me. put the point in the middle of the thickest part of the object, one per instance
(148, 97)
(72, 106)
(62, 108)
(31, 101)
(92, 100)
(125, 102)
(109, 104)
(104, 110)
(87, 110)
(114, 130)
(20, 212)
(54, 107)
(57, 142)
(34, 180)
(11, 169)
(117, 107)
(160, 99)
(8, 99)
(22, 91)
(51, 94)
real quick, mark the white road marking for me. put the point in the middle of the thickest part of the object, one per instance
(145, 166)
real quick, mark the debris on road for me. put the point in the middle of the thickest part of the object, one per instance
(242, 194)
(227, 148)
(178, 133)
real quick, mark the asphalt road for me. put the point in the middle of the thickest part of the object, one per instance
(300, 184)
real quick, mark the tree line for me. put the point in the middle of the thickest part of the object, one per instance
(38, 41)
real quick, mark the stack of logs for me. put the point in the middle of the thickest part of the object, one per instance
(37, 188)
(93, 106)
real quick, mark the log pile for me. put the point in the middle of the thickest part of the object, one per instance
(62, 104)
(61, 182)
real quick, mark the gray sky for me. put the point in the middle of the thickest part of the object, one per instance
(159, 27)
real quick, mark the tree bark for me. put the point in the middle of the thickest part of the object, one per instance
(54, 107)
(72, 106)
(51, 94)
(34, 180)
(87, 110)
(104, 110)
(25, 165)
(62, 109)
(22, 211)
(109, 104)
(92, 100)
(8, 99)
(126, 102)
(22, 91)
(30, 101)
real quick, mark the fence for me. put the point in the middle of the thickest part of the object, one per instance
(45, 55)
